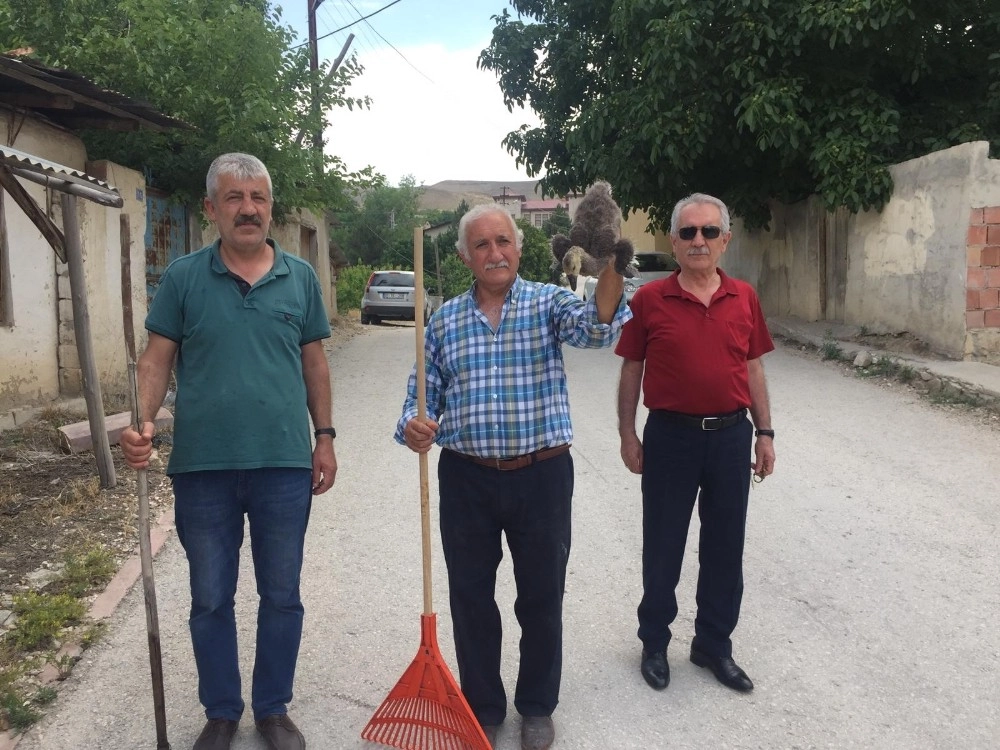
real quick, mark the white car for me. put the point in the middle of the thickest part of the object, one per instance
(648, 266)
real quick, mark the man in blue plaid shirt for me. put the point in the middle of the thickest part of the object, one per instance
(497, 405)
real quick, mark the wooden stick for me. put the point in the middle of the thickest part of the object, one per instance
(418, 324)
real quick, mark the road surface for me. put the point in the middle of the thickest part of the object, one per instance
(869, 617)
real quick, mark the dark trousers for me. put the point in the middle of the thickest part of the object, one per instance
(682, 463)
(531, 506)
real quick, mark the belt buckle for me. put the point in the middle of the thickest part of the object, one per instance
(711, 423)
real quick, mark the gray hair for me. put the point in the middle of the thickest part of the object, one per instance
(478, 212)
(240, 166)
(693, 199)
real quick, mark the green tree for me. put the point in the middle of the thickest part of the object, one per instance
(536, 254)
(558, 223)
(748, 100)
(228, 68)
(379, 233)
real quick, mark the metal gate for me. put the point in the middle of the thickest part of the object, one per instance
(166, 237)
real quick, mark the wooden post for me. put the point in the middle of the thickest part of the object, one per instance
(81, 326)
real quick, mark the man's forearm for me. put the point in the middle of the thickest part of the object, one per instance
(760, 406)
(610, 286)
(629, 386)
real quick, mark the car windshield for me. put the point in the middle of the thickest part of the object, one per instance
(393, 279)
(652, 262)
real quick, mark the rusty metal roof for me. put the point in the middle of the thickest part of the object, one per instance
(58, 177)
(74, 102)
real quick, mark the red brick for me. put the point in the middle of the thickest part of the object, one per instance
(977, 235)
(976, 216)
(992, 277)
(990, 256)
(991, 318)
(992, 234)
(976, 279)
(972, 299)
(989, 299)
(975, 319)
(991, 215)
(973, 256)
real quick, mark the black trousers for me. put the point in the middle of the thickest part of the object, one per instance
(681, 464)
(532, 507)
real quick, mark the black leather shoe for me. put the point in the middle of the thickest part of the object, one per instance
(280, 733)
(537, 732)
(655, 669)
(217, 735)
(725, 670)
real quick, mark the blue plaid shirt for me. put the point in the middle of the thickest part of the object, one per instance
(503, 393)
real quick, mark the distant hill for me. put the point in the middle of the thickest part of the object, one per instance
(447, 194)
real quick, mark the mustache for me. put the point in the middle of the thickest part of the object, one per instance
(697, 251)
(246, 219)
(501, 264)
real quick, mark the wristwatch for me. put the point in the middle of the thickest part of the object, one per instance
(765, 433)
(326, 431)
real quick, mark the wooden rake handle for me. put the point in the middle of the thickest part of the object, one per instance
(418, 321)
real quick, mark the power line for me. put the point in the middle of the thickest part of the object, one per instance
(389, 43)
(353, 23)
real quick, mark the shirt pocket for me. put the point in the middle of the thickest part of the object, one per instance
(738, 339)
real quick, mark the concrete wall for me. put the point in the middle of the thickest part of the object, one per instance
(40, 363)
(902, 269)
(29, 344)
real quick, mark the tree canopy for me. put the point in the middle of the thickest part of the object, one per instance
(746, 99)
(227, 67)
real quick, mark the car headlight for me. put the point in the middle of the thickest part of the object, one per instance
(631, 286)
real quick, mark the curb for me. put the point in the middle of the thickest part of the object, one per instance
(102, 608)
(973, 378)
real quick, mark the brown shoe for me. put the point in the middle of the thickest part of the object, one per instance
(217, 735)
(491, 731)
(280, 733)
(537, 732)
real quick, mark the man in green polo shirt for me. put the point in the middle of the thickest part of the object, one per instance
(244, 322)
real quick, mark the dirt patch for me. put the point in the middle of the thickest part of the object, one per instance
(898, 343)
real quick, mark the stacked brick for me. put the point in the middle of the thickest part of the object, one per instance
(982, 291)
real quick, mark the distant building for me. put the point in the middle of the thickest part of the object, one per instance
(537, 213)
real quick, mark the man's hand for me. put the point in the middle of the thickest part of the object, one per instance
(137, 448)
(632, 453)
(419, 434)
(763, 449)
(324, 464)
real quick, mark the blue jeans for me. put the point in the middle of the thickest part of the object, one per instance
(209, 507)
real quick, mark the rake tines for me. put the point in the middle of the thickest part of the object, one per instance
(426, 710)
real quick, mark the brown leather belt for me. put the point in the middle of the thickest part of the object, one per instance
(517, 462)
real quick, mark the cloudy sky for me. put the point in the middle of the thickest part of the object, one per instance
(434, 114)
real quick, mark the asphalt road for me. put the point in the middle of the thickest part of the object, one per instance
(869, 618)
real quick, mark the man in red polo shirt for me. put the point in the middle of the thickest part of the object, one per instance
(694, 346)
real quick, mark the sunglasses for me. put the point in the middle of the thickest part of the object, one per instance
(709, 233)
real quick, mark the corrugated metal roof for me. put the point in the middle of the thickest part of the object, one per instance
(59, 177)
(75, 102)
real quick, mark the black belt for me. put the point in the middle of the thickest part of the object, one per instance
(516, 462)
(701, 422)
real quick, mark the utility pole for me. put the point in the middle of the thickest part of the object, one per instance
(313, 5)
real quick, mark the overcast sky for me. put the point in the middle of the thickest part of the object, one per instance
(434, 114)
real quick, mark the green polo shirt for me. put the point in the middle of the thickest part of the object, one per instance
(241, 397)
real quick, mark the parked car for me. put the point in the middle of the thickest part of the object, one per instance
(647, 265)
(391, 295)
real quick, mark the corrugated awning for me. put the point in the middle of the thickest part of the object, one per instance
(59, 177)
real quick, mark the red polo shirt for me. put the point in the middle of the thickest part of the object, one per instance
(696, 356)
